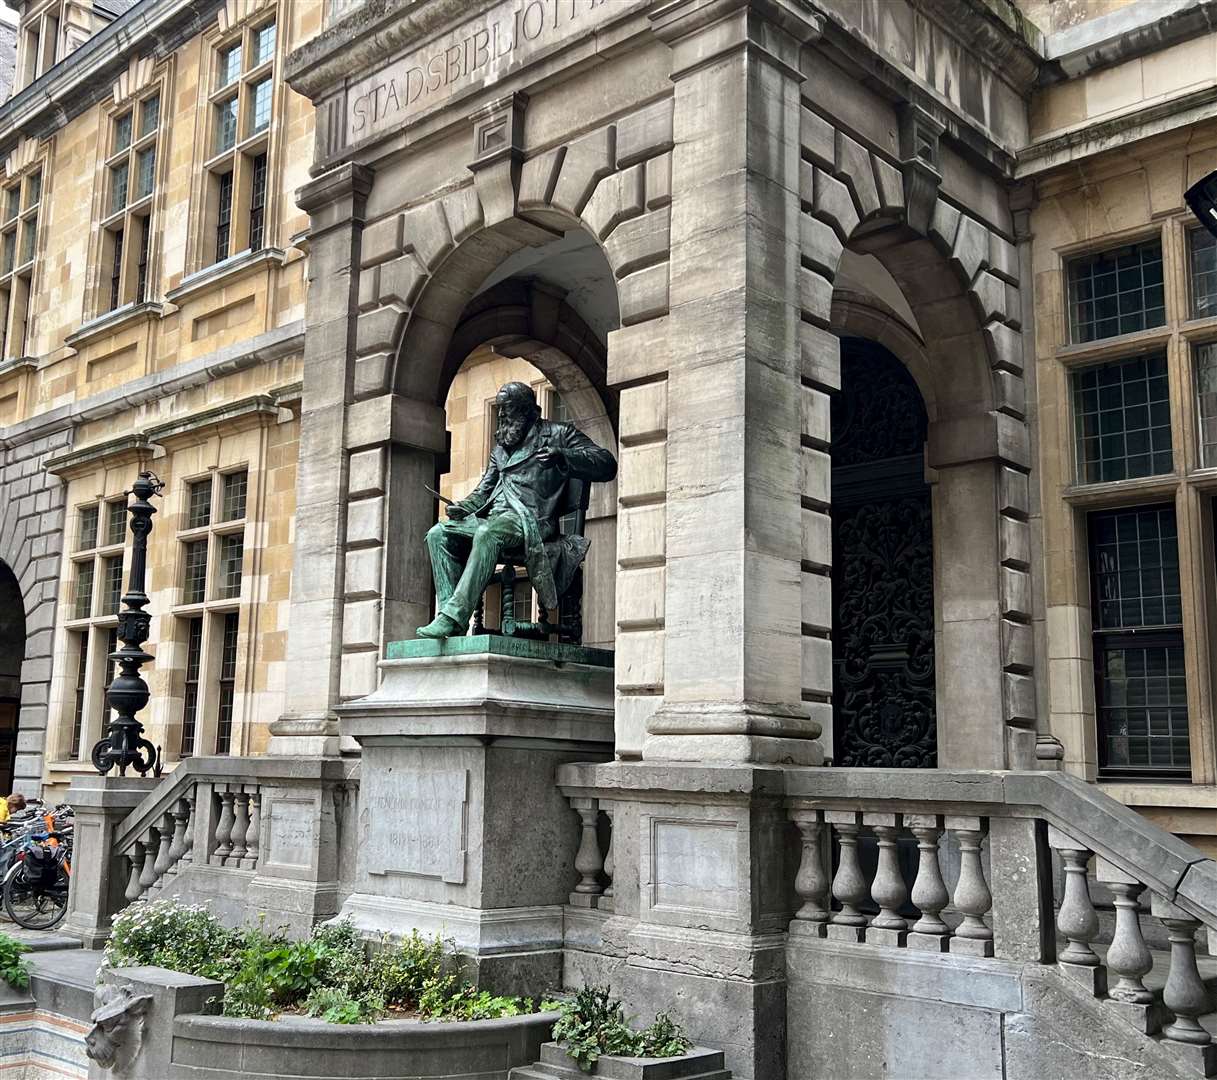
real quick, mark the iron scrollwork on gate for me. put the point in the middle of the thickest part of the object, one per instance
(883, 630)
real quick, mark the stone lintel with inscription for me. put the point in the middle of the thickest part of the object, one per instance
(479, 52)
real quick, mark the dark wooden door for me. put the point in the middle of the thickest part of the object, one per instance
(883, 584)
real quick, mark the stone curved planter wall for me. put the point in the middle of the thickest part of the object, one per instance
(221, 1048)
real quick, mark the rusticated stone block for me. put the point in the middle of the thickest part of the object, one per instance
(816, 138)
(645, 133)
(833, 203)
(944, 223)
(586, 161)
(425, 232)
(853, 166)
(644, 294)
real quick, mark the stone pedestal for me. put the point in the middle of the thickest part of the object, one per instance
(462, 828)
(700, 904)
(99, 877)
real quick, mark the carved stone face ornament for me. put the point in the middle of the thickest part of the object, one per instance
(118, 1027)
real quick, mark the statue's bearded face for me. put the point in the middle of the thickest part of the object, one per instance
(514, 421)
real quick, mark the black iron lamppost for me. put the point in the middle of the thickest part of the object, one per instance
(124, 743)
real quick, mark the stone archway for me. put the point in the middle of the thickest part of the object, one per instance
(12, 653)
(957, 278)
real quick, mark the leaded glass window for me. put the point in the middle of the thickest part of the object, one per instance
(1122, 420)
(1140, 682)
(1116, 292)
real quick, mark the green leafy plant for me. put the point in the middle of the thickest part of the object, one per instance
(13, 968)
(594, 1024)
(329, 974)
(337, 1006)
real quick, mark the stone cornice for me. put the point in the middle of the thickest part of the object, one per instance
(1132, 31)
(273, 345)
(1111, 133)
(997, 32)
(72, 463)
(87, 75)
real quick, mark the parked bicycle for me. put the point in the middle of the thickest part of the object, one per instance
(37, 862)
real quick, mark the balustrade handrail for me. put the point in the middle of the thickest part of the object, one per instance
(221, 769)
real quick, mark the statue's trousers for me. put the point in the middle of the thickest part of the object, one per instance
(457, 591)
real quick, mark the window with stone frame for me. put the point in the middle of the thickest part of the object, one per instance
(1118, 291)
(1202, 272)
(1137, 618)
(1122, 419)
(40, 44)
(93, 588)
(208, 617)
(20, 202)
(1204, 363)
(240, 111)
(129, 195)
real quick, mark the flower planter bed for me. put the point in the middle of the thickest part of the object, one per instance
(224, 1048)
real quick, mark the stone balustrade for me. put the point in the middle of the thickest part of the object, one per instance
(973, 871)
(982, 884)
(162, 847)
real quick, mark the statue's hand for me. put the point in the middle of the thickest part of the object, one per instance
(456, 513)
(550, 455)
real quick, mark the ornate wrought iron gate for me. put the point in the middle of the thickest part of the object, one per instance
(883, 624)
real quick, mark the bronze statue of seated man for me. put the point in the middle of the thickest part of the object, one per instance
(515, 507)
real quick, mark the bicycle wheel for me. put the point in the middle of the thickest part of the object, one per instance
(34, 906)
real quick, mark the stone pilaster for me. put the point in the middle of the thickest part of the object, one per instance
(335, 202)
(733, 678)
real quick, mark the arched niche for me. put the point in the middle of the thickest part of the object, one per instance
(535, 313)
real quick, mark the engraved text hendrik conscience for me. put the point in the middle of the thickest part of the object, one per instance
(482, 48)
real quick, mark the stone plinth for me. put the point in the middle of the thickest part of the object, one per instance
(462, 828)
(99, 876)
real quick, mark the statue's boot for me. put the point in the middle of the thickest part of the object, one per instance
(440, 627)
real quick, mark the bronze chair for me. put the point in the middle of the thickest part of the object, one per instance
(569, 627)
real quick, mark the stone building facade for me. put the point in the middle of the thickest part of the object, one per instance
(806, 266)
(861, 293)
(153, 297)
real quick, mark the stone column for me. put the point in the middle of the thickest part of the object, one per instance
(335, 202)
(733, 646)
(99, 874)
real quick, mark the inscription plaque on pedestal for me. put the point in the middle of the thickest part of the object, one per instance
(293, 832)
(414, 821)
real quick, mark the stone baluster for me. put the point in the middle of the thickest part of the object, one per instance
(849, 885)
(161, 866)
(147, 875)
(930, 894)
(972, 898)
(1185, 994)
(253, 834)
(888, 890)
(608, 861)
(224, 828)
(811, 882)
(136, 858)
(1077, 919)
(1128, 957)
(240, 826)
(181, 819)
(188, 853)
(588, 860)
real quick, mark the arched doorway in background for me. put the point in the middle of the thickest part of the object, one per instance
(884, 711)
(12, 652)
